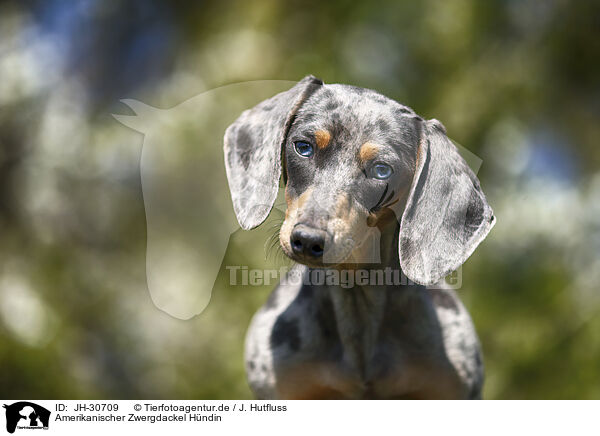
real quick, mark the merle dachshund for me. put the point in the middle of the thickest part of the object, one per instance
(368, 184)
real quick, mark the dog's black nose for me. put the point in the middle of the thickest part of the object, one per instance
(308, 241)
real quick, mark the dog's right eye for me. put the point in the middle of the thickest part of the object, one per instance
(304, 149)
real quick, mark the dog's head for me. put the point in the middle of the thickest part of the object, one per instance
(352, 159)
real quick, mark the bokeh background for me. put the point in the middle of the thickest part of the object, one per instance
(515, 82)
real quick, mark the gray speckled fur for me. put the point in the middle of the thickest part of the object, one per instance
(397, 342)
(370, 341)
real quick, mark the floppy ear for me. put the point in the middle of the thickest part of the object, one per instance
(446, 214)
(253, 145)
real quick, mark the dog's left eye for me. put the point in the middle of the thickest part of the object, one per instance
(382, 171)
(304, 149)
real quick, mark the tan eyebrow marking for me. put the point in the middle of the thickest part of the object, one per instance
(368, 151)
(322, 137)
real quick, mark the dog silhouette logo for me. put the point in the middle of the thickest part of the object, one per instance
(26, 415)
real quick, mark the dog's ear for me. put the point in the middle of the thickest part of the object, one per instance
(446, 214)
(253, 145)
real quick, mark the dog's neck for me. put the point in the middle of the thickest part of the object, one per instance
(359, 311)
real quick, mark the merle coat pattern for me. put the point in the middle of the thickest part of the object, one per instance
(369, 184)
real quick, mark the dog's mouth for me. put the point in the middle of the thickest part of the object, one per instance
(316, 262)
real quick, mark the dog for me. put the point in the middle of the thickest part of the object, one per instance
(358, 167)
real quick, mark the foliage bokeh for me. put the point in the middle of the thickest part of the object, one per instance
(515, 82)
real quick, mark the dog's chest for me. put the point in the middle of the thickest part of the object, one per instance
(331, 371)
(352, 345)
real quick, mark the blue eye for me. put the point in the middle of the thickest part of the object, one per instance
(382, 171)
(304, 149)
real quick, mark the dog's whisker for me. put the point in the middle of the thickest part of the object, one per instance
(376, 207)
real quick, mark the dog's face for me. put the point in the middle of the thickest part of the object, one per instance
(351, 156)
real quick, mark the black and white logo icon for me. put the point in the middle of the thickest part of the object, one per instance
(26, 415)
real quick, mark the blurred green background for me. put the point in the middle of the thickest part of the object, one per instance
(515, 82)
